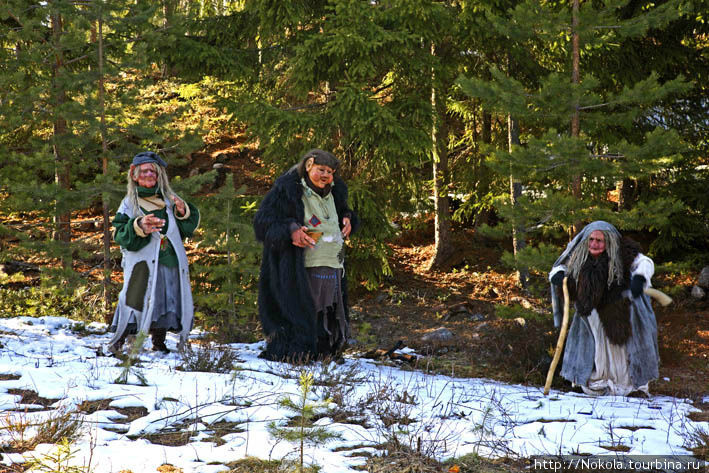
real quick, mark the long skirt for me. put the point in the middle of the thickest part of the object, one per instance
(332, 324)
(167, 307)
(611, 373)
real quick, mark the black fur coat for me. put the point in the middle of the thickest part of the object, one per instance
(286, 307)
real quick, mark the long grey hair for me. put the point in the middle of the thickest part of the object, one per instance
(163, 186)
(615, 264)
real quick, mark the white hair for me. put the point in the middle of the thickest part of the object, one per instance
(163, 185)
(615, 264)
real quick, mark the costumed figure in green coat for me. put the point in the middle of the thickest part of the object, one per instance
(150, 226)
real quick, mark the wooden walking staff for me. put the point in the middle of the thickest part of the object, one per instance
(562, 338)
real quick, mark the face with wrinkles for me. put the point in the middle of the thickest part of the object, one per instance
(321, 175)
(596, 243)
(147, 175)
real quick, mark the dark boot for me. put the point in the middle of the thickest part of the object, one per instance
(158, 337)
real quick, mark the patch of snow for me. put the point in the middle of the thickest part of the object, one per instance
(369, 402)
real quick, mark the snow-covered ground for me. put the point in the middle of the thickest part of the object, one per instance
(369, 402)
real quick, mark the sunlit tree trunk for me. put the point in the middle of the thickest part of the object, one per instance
(575, 79)
(441, 177)
(626, 192)
(62, 165)
(518, 233)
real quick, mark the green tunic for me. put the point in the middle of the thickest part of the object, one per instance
(321, 216)
(125, 235)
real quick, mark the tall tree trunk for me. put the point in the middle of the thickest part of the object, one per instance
(518, 233)
(441, 177)
(483, 174)
(487, 127)
(62, 165)
(104, 158)
(169, 9)
(575, 79)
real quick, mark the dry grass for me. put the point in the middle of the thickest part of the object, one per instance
(170, 438)
(616, 448)
(208, 359)
(472, 463)
(167, 468)
(698, 443)
(256, 465)
(9, 377)
(89, 407)
(220, 429)
(25, 434)
(131, 413)
(402, 460)
(31, 397)
(702, 415)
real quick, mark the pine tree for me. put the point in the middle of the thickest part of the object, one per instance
(303, 432)
(70, 118)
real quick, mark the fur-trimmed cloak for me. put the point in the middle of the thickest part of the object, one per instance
(642, 350)
(286, 307)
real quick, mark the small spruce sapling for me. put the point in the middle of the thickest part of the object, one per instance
(58, 461)
(128, 362)
(304, 431)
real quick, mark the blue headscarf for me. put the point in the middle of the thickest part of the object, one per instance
(147, 157)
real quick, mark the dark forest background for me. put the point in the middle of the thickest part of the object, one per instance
(522, 120)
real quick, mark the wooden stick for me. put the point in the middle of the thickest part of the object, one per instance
(659, 296)
(562, 338)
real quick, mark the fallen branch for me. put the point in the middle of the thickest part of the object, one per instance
(381, 353)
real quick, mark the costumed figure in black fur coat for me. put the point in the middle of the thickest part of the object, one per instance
(612, 343)
(303, 222)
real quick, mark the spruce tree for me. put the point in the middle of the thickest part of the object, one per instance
(70, 118)
(606, 147)
(224, 275)
(344, 76)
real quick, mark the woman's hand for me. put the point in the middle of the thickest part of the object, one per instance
(301, 239)
(346, 227)
(179, 205)
(150, 223)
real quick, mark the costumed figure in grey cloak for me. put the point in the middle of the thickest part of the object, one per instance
(150, 225)
(303, 222)
(612, 342)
